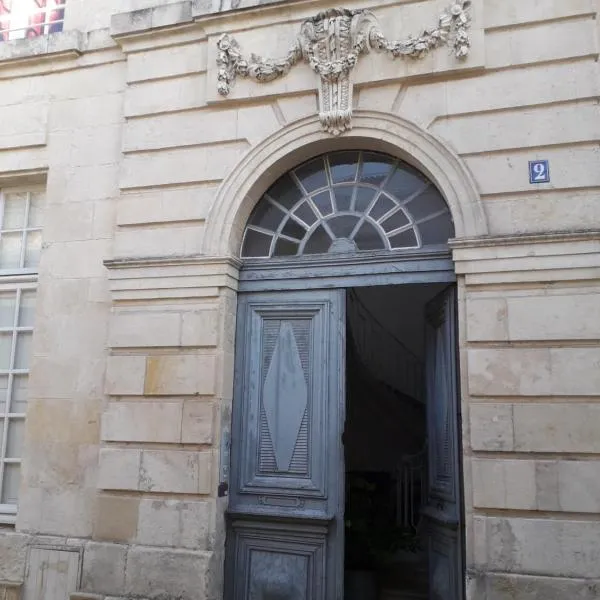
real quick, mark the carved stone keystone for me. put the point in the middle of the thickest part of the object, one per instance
(331, 43)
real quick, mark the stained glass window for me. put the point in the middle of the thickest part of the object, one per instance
(347, 201)
(30, 18)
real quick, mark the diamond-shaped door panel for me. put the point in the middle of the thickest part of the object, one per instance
(285, 396)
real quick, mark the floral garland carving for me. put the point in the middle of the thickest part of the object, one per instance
(331, 43)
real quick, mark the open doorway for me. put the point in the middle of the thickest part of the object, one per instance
(386, 443)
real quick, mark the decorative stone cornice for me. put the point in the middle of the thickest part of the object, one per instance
(526, 259)
(171, 277)
(42, 49)
(331, 43)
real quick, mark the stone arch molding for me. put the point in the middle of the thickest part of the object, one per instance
(304, 139)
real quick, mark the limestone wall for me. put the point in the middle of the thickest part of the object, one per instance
(133, 352)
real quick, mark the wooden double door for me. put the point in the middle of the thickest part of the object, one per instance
(286, 494)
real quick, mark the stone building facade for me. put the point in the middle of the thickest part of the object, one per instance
(129, 179)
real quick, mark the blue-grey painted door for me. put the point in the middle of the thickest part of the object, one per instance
(442, 511)
(285, 516)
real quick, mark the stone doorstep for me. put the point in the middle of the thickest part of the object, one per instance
(10, 590)
(88, 596)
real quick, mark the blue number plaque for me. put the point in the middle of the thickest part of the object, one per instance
(539, 171)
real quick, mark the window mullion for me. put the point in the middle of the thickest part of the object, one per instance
(24, 231)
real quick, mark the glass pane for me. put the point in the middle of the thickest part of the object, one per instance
(23, 350)
(18, 399)
(5, 348)
(35, 209)
(10, 485)
(286, 192)
(3, 393)
(375, 169)
(7, 309)
(319, 242)
(15, 438)
(266, 215)
(381, 207)
(364, 196)
(1, 432)
(343, 197)
(14, 210)
(294, 229)
(285, 248)
(425, 204)
(27, 308)
(342, 226)
(306, 213)
(323, 202)
(256, 244)
(406, 239)
(436, 231)
(367, 238)
(312, 175)
(395, 221)
(343, 166)
(404, 182)
(10, 250)
(33, 248)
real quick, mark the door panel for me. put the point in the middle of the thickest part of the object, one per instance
(286, 492)
(443, 506)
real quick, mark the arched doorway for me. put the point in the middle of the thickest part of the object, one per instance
(345, 471)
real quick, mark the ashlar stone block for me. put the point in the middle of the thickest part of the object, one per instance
(491, 426)
(160, 573)
(565, 427)
(13, 553)
(130, 329)
(200, 328)
(180, 374)
(197, 423)
(103, 568)
(561, 548)
(119, 468)
(502, 483)
(125, 375)
(174, 523)
(158, 422)
(115, 518)
(175, 471)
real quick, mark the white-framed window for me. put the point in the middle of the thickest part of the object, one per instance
(20, 248)
(30, 18)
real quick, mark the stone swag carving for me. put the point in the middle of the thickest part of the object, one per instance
(331, 43)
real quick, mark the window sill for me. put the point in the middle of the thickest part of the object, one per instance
(8, 514)
(66, 44)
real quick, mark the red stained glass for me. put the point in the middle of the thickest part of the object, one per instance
(30, 18)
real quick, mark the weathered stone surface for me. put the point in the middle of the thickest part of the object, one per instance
(13, 552)
(119, 469)
(158, 422)
(125, 375)
(115, 518)
(198, 422)
(189, 374)
(526, 587)
(103, 568)
(174, 523)
(158, 574)
(560, 548)
(534, 371)
(144, 329)
(491, 426)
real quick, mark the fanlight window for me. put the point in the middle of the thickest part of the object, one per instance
(347, 202)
